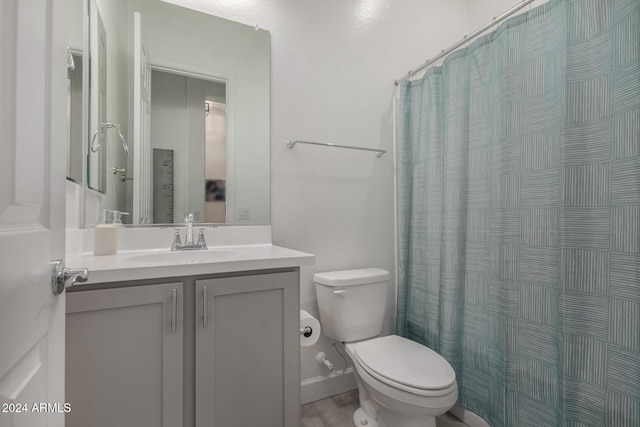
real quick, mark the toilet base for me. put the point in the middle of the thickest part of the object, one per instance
(360, 419)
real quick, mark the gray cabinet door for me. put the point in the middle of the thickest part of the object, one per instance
(124, 356)
(247, 351)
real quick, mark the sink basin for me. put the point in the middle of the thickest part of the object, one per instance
(187, 257)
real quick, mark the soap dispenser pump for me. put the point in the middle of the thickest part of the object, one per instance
(116, 217)
(105, 238)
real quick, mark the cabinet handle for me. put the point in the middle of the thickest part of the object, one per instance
(174, 311)
(205, 307)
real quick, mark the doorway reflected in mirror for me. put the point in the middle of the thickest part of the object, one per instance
(188, 119)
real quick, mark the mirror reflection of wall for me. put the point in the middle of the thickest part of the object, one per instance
(96, 157)
(215, 171)
(196, 138)
(108, 103)
(74, 119)
(75, 91)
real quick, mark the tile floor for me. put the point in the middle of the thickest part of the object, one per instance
(337, 411)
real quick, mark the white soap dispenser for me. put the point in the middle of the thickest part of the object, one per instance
(105, 238)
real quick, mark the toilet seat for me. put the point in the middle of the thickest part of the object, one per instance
(405, 365)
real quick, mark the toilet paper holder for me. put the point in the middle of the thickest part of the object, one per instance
(309, 329)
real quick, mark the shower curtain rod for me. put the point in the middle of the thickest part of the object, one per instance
(466, 39)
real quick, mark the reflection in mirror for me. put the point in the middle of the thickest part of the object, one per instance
(96, 160)
(74, 118)
(76, 90)
(216, 143)
(215, 169)
(188, 139)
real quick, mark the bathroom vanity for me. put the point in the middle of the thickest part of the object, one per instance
(197, 338)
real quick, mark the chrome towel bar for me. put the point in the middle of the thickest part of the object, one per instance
(292, 142)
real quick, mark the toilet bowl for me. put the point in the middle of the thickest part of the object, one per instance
(401, 383)
(406, 383)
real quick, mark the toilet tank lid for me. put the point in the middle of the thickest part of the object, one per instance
(351, 277)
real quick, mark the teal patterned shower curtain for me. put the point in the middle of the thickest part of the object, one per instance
(518, 166)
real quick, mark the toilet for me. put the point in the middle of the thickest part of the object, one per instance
(401, 383)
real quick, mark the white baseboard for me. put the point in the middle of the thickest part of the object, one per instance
(469, 418)
(317, 388)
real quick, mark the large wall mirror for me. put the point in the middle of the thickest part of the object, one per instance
(175, 113)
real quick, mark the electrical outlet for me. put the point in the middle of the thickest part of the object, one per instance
(244, 212)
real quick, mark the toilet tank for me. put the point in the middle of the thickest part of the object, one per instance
(352, 303)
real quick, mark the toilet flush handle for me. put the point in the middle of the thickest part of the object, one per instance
(340, 292)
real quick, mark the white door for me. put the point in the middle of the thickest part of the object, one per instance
(142, 200)
(32, 204)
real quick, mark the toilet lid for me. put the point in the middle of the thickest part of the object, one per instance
(405, 362)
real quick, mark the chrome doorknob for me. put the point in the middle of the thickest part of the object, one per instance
(63, 277)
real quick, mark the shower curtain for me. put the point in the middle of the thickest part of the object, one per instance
(518, 166)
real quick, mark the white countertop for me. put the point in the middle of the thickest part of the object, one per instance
(162, 263)
(143, 253)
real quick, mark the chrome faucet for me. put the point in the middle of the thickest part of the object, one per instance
(188, 237)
